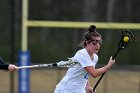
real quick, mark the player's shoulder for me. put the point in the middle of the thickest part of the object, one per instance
(81, 50)
(95, 57)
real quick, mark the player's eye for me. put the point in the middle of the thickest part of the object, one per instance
(94, 42)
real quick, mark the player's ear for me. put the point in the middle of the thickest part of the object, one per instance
(88, 42)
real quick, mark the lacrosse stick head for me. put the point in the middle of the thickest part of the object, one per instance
(127, 37)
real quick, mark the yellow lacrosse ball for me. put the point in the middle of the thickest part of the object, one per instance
(126, 39)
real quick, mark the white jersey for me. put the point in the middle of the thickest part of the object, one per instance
(76, 78)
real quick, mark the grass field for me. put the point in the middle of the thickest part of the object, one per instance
(45, 80)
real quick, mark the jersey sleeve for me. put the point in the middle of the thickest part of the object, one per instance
(95, 61)
(83, 59)
(4, 67)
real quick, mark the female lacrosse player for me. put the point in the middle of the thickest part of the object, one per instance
(76, 79)
(9, 67)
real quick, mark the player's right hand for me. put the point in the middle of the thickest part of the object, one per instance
(111, 62)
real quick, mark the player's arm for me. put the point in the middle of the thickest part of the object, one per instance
(97, 72)
(9, 67)
(4, 67)
(89, 89)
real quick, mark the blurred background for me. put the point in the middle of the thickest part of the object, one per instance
(52, 44)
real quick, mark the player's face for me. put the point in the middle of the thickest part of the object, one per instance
(95, 44)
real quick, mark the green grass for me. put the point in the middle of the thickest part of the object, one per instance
(45, 80)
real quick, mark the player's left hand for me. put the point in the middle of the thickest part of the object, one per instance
(90, 90)
(12, 67)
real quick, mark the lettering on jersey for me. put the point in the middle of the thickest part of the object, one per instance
(86, 76)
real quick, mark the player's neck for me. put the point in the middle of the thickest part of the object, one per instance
(90, 53)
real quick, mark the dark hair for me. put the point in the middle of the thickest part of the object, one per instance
(88, 36)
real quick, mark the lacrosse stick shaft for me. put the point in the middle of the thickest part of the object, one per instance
(116, 53)
(36, 66)
(33, 66)
(105, 72)
(122, 44)
(69, 63)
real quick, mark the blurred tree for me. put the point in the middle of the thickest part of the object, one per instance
(51, 44)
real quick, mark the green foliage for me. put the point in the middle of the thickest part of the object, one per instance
(54, 44)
